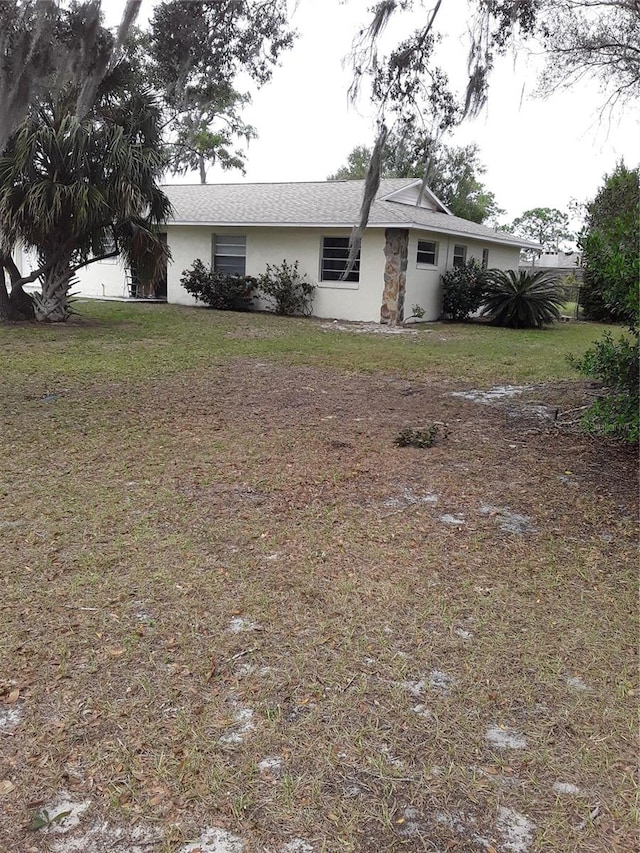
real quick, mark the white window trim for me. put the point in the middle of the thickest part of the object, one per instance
(421, 265)
(464, 257)
(214, 238)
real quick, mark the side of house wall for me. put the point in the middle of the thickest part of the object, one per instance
(104, 278)
(424, 287)
(333, 300)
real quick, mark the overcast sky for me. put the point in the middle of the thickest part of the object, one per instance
(538, 153)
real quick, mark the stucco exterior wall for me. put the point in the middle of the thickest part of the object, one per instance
(104, 278)
(424, 287)
(339, 300)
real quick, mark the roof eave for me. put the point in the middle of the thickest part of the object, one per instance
(418, 226)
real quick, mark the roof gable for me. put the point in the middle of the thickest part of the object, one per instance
(417, 194)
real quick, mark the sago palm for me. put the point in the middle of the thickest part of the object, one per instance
(522, 300)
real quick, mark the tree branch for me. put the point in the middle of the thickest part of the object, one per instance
(114, 254)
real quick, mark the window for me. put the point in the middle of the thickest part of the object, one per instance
(333, 262)
(230, 254)
(427, 253)
(485, 259)
(459, 256)
(109, 245)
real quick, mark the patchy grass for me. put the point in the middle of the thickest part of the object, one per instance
(124, 342)
(233, 613)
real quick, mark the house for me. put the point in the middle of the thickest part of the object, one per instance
(566, 265)
(410, 240)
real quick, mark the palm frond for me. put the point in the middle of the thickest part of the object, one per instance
(522, 300)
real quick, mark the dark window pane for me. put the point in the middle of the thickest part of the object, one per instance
(335, 255)
(427, 252)
(230, 265)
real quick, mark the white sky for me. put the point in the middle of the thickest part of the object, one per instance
(537, 153)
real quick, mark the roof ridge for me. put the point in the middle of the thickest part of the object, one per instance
(351, 181)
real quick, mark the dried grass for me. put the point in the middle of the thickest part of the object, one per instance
(142, 521)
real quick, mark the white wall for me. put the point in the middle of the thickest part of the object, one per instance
(424, 287)
(104, 278)
(334, 300)
(340, 300)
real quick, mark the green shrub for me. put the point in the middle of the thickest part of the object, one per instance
(593, 303)
(610, 254)
(218, 290)
(522, 300)
(286, 290)
(615, 364)
(463, 290)
(409, 437)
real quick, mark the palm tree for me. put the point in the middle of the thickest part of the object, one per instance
(520, 300)
(79, 189)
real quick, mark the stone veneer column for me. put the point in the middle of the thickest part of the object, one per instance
(396, 249)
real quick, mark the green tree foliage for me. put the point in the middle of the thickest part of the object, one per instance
(197, 146)
(610, 292)
(181, 72)
(598, 40)
(522, 300)
(44, 43)
(610, 255)
(79, 188)
(452, 173)
(581, 39)
(356, 167)
(545, 225)
(195, 53)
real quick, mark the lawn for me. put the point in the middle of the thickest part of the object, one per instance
(236, 617)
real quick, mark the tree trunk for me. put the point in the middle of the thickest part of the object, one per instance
(17, 305)
(22, 301)
(52, 306)
(203, 170)
(8, 311)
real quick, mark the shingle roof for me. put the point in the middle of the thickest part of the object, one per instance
(322, 203)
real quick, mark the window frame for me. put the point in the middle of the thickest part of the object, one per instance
(352, 282)
(435, 253)
(461, 261)
(485, 258)
(219, 240)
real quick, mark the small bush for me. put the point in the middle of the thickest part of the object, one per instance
(593, 302)
(522, 300)
(287, 291)
(218, 290)
(463, 290)
(409, 437)
(616, 365)
(417, 312)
